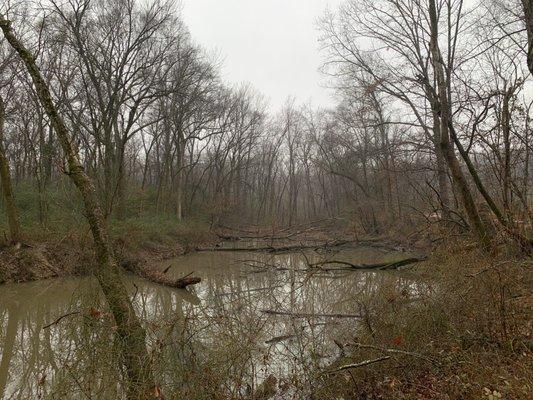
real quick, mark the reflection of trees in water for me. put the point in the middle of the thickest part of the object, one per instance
(67, 357)
(214, 338)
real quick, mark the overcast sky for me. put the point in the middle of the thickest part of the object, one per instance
(271, 44)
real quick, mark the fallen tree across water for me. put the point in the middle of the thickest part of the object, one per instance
(310, 315)
(277, 249)
(380, 266)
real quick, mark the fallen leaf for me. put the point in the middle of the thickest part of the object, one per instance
(95, 313)
(398, 340)
(158, 393)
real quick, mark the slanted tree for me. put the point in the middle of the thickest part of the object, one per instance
(130, 332)
(444, 111)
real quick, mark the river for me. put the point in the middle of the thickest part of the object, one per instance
(253, 316)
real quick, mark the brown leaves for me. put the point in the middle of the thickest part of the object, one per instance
(398, 340)
(158, 393)
(94, 313)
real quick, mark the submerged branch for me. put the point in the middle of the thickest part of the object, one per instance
(58, 320)
(381, 266)
(279, 249)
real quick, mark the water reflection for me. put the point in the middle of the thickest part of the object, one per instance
(253, 316)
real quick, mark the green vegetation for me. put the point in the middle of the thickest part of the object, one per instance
(57, 215)
(57, 240)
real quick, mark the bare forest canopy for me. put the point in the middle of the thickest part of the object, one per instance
(432, 121)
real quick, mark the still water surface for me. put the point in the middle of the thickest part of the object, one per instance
(253, 315)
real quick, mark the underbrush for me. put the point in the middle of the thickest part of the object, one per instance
(465, 334)
(153, 231)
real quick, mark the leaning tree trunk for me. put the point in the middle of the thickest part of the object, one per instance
(443, 107)
(129, 330)
(11, 208)
(507, 223)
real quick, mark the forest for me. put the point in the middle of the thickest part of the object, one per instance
(169, 234)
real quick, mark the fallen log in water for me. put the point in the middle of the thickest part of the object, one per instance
(310, 315)
(278, 249)
(159, 277)
(381, 266)
(180, 283)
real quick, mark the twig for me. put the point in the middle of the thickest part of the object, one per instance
(397, 351)
(473, 275)
(278, 339)
(136, 291)
(250, 290)
(186, 276)
(361, 364)
(59, 319)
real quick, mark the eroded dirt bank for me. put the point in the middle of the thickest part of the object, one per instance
(31, 261)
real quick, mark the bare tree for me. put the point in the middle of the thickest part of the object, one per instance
(129, 329)
(7, 190)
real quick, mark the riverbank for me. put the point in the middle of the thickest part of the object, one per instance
(68, 251)
(467, 336)
(454, 326)
(63, 252)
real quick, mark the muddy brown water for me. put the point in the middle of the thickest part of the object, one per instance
(270, 314)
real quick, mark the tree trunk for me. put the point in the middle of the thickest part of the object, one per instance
(443, 109)
(130, 333)
(528, 18)
(179, 179)
(11, 208)
(442, 174)
(506, 130)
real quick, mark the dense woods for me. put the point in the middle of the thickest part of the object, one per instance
(432, 120)
(111, 112)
